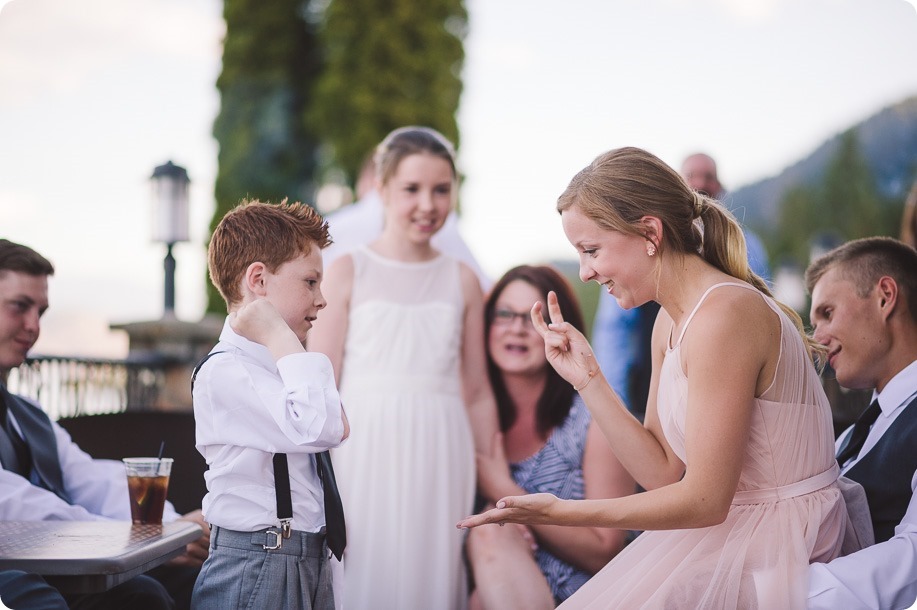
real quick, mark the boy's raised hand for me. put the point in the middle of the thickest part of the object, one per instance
(259, 321)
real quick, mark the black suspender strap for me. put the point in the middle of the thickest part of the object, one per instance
(281, 472)
(197, 368)
(282, 491)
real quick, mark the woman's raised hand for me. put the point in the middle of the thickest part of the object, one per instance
(565, 347)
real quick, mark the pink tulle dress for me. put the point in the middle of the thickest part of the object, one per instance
(787, 512)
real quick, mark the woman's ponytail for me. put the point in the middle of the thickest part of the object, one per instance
(724, 247)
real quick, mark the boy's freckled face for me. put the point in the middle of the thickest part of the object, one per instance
(295, 291)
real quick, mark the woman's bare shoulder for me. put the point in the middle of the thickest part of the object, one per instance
(732, 313)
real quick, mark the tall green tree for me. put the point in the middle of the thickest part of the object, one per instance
(799, 221)
(267, 149)
(388, 64)
(845, 203)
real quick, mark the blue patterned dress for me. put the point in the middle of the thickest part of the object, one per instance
(558, 469)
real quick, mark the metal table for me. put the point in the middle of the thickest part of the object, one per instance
(90, 556)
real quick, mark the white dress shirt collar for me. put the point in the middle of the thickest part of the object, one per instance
(254, 350)
(892, 400)
(899, 391)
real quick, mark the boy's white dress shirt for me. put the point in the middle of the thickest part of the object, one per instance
(246, 408)
(885, 574)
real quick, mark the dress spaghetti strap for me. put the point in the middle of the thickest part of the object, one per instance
(700, 302)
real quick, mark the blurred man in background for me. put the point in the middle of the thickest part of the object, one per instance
(699, 171)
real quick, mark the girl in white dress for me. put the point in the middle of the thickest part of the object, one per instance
(404, 331)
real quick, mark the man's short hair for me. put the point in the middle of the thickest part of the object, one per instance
(16, 257)
(268, 233)
(863, 261)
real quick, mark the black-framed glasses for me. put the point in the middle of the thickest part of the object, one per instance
(505, 317)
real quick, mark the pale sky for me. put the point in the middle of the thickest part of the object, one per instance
(95, 93)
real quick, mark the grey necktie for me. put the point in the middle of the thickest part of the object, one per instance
(13, 451)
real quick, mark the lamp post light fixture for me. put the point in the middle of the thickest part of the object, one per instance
(170, 219)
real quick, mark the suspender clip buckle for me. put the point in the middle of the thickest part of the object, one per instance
(278, 540)
(286, 527)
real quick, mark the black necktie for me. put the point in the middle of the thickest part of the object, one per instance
(857, 436)
(13, 450)
(335, 529)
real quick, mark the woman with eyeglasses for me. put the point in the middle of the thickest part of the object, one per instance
(552, 446)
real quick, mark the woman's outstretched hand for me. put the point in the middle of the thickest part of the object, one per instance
(533, 509)
(566, 349)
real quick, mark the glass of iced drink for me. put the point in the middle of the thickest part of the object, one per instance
(148, 483)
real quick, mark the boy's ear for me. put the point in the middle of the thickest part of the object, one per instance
(253, 280)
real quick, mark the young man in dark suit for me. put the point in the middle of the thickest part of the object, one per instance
(44, 475)
(864, 310)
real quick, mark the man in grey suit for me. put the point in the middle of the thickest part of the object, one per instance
(44, 475)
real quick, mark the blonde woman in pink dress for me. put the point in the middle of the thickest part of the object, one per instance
(737, 450)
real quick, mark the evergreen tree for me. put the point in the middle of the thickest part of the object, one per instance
(846, 204)
(267, 151)
(851, 203)
(388, 64)
(799, 220)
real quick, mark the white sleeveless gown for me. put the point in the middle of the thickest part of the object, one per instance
(406, 473)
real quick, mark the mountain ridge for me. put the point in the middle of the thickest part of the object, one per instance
(887, 140)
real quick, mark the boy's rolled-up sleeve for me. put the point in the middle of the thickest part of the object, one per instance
(293, 408)
(313, 404)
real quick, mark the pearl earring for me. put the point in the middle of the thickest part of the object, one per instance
(650, 249)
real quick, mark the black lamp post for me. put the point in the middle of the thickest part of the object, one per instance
(170, 219)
